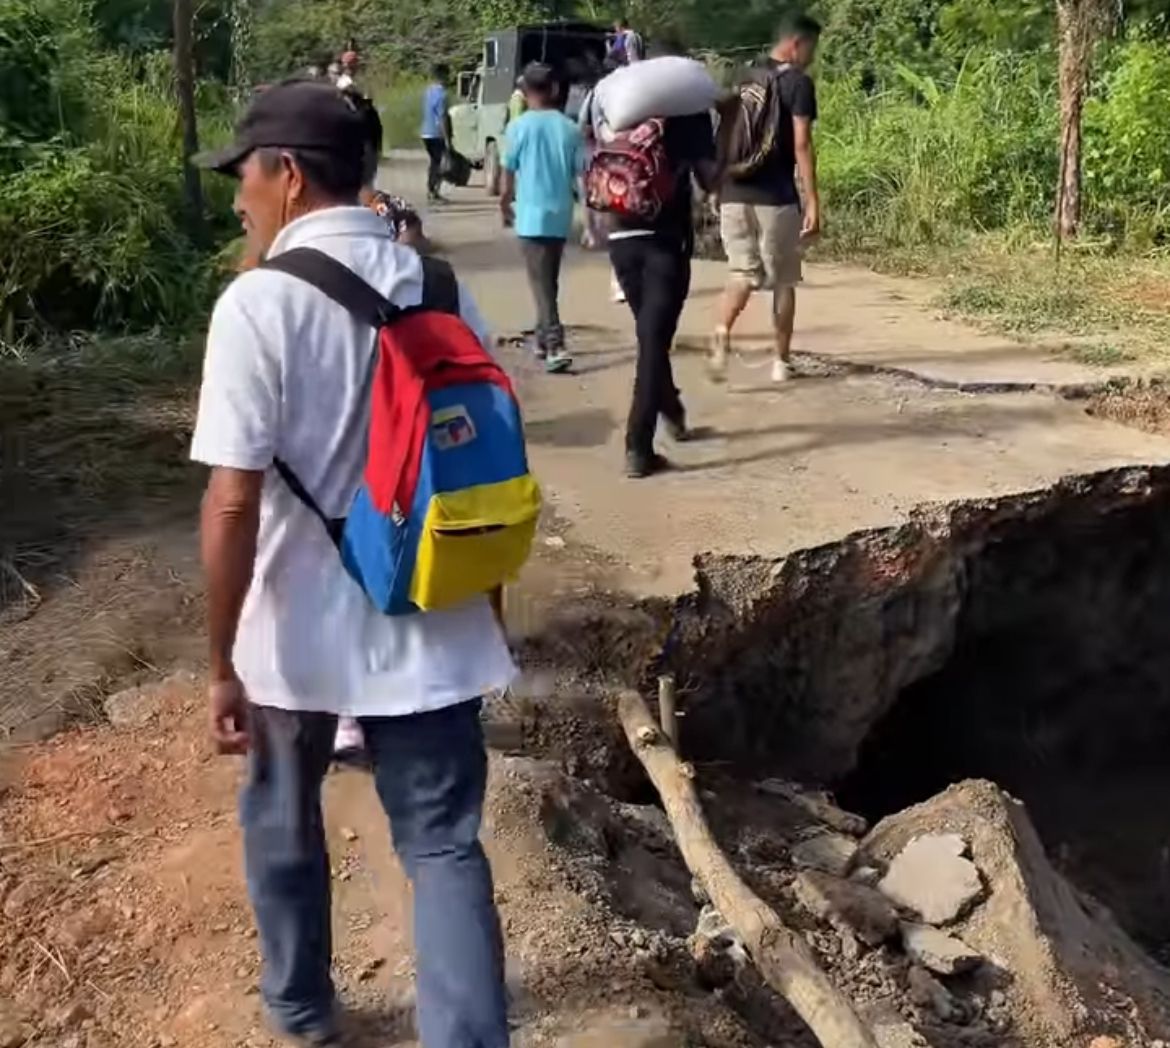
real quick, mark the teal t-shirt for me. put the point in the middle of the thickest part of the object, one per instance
(545, 150)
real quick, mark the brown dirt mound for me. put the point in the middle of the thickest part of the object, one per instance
(1071, 973)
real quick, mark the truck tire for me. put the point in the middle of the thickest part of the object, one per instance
(491, 169)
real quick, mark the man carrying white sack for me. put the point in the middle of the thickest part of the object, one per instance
(763, 225)
(658, 134)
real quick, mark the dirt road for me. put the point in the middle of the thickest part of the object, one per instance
(889, 412)
(124, 917)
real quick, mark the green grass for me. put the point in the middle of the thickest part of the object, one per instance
(1107, 309)
(1101, 354)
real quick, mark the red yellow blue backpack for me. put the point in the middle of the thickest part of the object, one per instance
(447, 507)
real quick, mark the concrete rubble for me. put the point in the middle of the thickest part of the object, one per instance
(938, 952)
(135, 707)
(931, 878)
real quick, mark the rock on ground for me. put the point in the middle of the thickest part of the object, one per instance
(817, 804)
(134, 707)
(931, 996)
(931, 877)
(863, 910)
(937, 951)
(1070, 971)
(829, 852)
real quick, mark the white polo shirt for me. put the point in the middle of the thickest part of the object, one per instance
(284, 376)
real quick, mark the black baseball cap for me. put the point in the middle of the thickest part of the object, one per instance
(295, 114)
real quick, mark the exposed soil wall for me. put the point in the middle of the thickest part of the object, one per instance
(790, 662)
(1023, 639)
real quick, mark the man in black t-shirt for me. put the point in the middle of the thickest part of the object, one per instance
(763, 224)
(653, 265)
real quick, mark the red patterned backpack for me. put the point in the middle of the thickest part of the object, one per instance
(630, 176)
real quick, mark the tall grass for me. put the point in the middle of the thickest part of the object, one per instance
(926, 162)
(398, 96)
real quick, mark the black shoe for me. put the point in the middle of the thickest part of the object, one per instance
(640, 466)
(677, 429)
(326, 1034)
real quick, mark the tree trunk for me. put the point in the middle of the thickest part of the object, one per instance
(185, 86)
(783, 958)
(1073, 74)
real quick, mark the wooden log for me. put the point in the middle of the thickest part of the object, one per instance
(782, 957)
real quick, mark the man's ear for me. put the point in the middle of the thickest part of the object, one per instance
(296, 178)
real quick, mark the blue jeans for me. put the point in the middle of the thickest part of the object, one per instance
(430, 774)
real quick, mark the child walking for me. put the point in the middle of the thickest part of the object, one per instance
(543, 158)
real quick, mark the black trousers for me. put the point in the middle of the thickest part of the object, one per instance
(655, 274)
(435, 150)
(542, 259)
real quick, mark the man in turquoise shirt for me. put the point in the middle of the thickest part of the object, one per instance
(543, 158)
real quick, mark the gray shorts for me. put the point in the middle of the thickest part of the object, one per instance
(763, 244)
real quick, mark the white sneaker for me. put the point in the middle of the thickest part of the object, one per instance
(717, 357)
(781, 372)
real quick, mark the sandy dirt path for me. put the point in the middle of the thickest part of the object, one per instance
(888, 412)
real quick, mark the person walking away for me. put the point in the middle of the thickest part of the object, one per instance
(435, 130)
(294, 640)
(404, 225)
(652, 260)
(347, 79)
(543, 157)
(625, 45)
(763, 225)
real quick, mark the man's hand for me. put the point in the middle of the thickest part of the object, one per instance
(228, 711)
(811, 226)
(507, 212)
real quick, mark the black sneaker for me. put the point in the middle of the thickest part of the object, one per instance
(327, 1038)
(640, 466)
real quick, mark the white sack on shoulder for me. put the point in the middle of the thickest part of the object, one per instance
(658, 87)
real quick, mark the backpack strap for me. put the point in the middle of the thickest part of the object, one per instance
(348, 290)
(440, 286)
(337, 281)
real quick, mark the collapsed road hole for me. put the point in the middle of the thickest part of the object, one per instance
(1057, 687)
(1022, 639)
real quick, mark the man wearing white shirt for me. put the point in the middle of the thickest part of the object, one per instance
(294, 641)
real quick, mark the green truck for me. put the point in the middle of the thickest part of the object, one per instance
(575, 50)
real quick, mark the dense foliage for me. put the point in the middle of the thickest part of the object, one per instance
(90, 173)
(944, 121)
(939, 119)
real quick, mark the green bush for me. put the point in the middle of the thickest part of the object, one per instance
(1127, 144)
